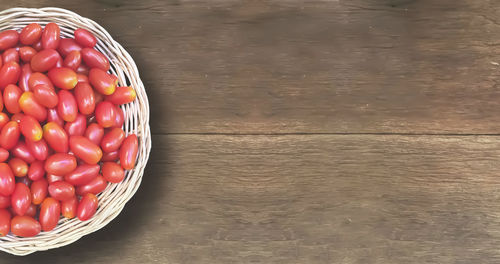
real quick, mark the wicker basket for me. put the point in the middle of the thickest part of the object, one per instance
(114, 198)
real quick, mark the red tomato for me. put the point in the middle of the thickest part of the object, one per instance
(36, 170)
(85, 38)
(83, 69)
(128, 152)
(85, 149)
(9, 135)
(26, 53)
(67, 45)
(61, 190)
(38, 45)
(82, 78)
(25, 76)
(83, 174)
(60, 163)
(4, 201)
(73, 60)
(51, 36)
(10, 55)
(21, 151)
(25, 226)
(102, 81)
(4, 154)
(84, 95)
(68, 207)
(9, 74)
(4, 222)
(95, 186)
(8, 39)
(95, 59)
(53, 116)
(112, 172)
(19, 167)
(45, 95)
(112, 140)
(11, 95)
(30, 128)
(94, 133)
(64, 78)
(39, 190)
(87, 207)
(55, 136)
(38, 149)
(31, 107)
(111, 156)
(17, 117)
(4, 118)
(77, 127)
(67, 108)
(30, 34)
(105, 114)
(119, 118)
(31, 210)
(20, 198)
(44, 60)
(38, 78)
(7, 182)
(51, 178)
(122, 95)
(50, 212)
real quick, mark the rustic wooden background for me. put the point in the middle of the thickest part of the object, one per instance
(336, 131)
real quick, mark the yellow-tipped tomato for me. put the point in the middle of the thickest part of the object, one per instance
(31, 107)
(122, 95)
(67, 108)
(19, 167)
(56, 137)
(102, 81)
(64, 78)
(30, 128)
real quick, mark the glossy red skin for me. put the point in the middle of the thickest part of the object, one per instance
(25, 226)
(8, 39)
(112, 172)
(4, 201)
(38, 78)
(83, 174)
(87, 207)
(102, 81)
(39, 149)
(26, 54)
(95, 59)
(98, 97)
(51, 36)
(82, 78)
(7, 181)
(85, 149)
(19, 167)
(32, 210)
(105, 113)
(95, 186)
(122, 95)
(11, 95)
(45, 95)
(50, 212)
(84, 95)
(30, 34)
(38, 45)
(9, 135)
(1, 104)
(68, 208)
(36, 170)
(5, 217)
(128, 152)
(53, 116)
(85, 38)
(61, 190)
(64, 78)
(9, 74)
(4, 118)
(83, 69)
(112, 140)
(111, 156)
(31, 107)
(20, 199)
(4, 154)
(60, 164)
(51, 178)
(39, 191)
(67, 45)
(73, 60)
(17, 117)
(25, 76)
(30, 128)
(94, 133)
(67, 108)
(22, 151)
(10, 55)
(56, 137)
(77, 127)
(120, 118)
(44, 60)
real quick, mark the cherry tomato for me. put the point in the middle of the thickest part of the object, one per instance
(51, 178)
(39, 190)
(85, 38)
(38, 78)
(10, 55)
(4, 154)
(68, 208)
(4, 118)
(4, 222)
(60, 163)
(44, 60)
(22, 151)
(111, 156)
(83, 69)
(38, 149)
(50, 212)
(30, 34)
(77, 127)
(82, 78)
(73, 60)
(31, 210)
(7, 182)
(8, 39)
(30, 128)
(20, 199)
(94, 133)
(17, 117)
(45, 95)
(83, 174)
(31, 107)
(112, 172)
(51, 36)
(25, 76)
(25, 226)
(61, 190)
(19, 167)
(67, 45)
(53, 116)
(105, 114)
(95, 59)
(9, 135)
(87, 207)
(128, 152)
(4, 201)
(36, 170)
(119, 118)
(112, 140)
(55, 136)
(64, 78)
(85, 149)
(9, 74)
(11, 95)
(95, 186)
(122, 95)
(38, 45)
(26, 53)
(98, 97)
(84, 95)
(102, 81)
(67, 108)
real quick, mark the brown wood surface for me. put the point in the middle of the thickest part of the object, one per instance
(281, 132)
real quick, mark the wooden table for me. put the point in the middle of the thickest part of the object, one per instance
(335, 131)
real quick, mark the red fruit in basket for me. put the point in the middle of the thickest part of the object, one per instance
(30, 34)
(64, 78)
(83, 69)
(128, 152)
(22, 151)
(30, 128)
(68, 208)
(10, 55)
(60, 164)
(77, 127)
(4, 201)
(85, 38)
(31, 107)
(39, 191)
(4, 154)
(53, 116)
(84, 95)
(51, 36)
(95, 59)
(38, 45)
(98, 97)
(73, 60)
(32, 210)
(94, 133)
(19, 167)
(102, 81)
(9, 135)
(111, 156)
(61, 190)
(25, 76)
(7, 182)
(95, 186)
(45, 95)
(85, 149)
(38, 149)
(20, 199)
(122, 95)
(26, 53)
(51, 178)
(112, 140)
(67, 108)
(4, 118)
(112, 172)
(11, 95)
(25, 226)
(67, 45)
(4, 222)
(119, 118)
(82, 78)
(50, 212)
(36, 170)
(105, 114)
(87, 207)
(44, 60)
(8, 39)
(38, 78)
(83, 174)
(9, 74)
(55, 136)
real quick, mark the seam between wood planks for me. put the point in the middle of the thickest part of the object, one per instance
(327, 134)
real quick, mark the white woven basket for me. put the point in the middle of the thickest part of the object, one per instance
(114, 198)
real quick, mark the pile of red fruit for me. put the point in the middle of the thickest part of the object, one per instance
(61, 136)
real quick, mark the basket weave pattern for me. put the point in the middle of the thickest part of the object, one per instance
(113, 199)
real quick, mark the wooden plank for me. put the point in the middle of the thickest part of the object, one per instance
(305, 199)
(354, 66)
